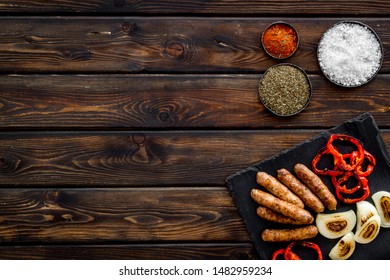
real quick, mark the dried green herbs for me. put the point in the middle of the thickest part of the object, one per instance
(285, 89)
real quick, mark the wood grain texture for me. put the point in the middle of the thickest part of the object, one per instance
(256, 7)
(121, 119)
(174, 101)
(156, 44)
(139, 158)
(58, 216)
(197, 251)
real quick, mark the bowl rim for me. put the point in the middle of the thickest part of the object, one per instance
(284, 23)
(375, 35)
(307, 78)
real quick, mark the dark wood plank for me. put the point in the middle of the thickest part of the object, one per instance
(156, 44)
(119, 215)
(258, 7)
(198, 251)
(174, 101)
(139, 158)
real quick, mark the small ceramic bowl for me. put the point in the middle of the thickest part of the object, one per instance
(292, 36)
(271, 101)
(333, 76)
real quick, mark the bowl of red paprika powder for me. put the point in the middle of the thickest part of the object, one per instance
(280, 40)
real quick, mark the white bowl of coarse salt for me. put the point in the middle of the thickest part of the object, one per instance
(350, 54)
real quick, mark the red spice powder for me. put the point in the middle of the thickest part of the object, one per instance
(280, 40)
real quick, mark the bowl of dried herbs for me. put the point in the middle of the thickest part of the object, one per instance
(285, 89)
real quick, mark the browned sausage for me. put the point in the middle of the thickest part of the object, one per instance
(316, 185)
(277, 189)
(276, 217)
(283, 207)
(284, 235)
(303, 192)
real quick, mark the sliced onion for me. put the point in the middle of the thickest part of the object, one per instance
(336, 225)
(382, 203)
(344, 248)
(364, 211)
(369, 230)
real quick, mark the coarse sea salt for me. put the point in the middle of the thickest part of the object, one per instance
(349, 54)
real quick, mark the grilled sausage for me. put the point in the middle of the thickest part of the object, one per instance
(283, 207)
(277, 189)
(303, 192)
(284, 235)
(276, 217)
(316, 185)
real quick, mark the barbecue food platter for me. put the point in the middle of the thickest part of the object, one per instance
(240, 184)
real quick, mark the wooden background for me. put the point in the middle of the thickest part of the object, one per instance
(120, 120)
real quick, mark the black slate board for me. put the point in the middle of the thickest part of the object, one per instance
(362, 127)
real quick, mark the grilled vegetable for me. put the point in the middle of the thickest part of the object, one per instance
(365, 210)
(336, 225)
(344, 248)
(369, 230)
(382, 203)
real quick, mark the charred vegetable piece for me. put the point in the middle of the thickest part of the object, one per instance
(288, 254)
(280, 253)
(344, 248)
(382, 203)
(306, 244)
(365, 210)
(335, 225)
(355, 165)
(369, 230)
